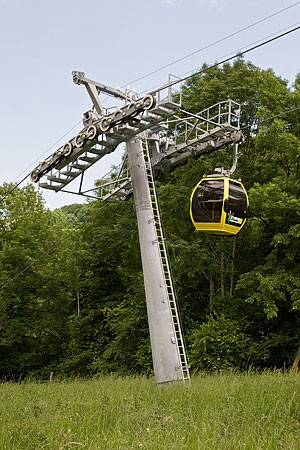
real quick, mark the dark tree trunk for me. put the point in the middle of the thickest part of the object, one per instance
(233, 258)
(211, 292)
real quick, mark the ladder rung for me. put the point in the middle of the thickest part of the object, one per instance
(106, 143)
(57, 179)
(69, 173)
(48, 186)
(87, 158)
(162, 110)
(161, 246)
(97, 151)
(79, 166)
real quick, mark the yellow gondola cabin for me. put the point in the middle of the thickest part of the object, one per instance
(219, 205)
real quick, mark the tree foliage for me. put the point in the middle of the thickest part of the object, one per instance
(79, 307)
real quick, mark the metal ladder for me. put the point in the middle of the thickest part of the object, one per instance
(184, 366)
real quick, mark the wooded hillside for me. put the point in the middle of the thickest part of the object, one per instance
(80, 308)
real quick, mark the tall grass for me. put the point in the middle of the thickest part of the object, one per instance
(246, 411)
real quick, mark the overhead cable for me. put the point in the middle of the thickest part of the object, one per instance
(270, 118)
(28, 167)
(237, 52)
(248, 50)
(14, 187)
(213, 43)
(158, 89)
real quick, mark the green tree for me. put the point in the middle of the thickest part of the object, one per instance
(208, 269)
(35, 296)
(82, 308)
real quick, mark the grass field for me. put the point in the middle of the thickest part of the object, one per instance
(246, 411)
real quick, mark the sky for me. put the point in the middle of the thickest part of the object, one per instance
(114, 42)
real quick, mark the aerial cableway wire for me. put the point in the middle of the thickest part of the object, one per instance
(183, 79)
(105, 204)
(26, 176)
(254, 47)
(153, 72)
(237, 53)
(207, 46)
(270, 118)
(212, 44)
(14, 187)
(223, 61)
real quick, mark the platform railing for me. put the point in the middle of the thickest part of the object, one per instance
(222, 115)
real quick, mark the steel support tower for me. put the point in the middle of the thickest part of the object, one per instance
(137, 121)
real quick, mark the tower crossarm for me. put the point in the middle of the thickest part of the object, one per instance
(104, 131)
(176, 155)
(176, 134)
(194, 134)
(101, 135)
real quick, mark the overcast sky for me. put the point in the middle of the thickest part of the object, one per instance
(114, 42)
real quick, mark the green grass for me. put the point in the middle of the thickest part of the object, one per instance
(247, 411)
